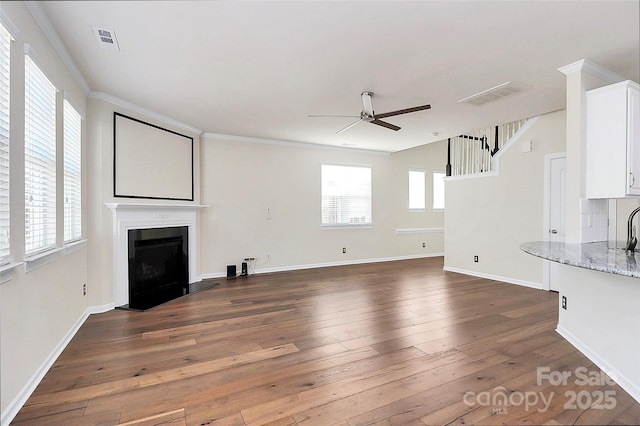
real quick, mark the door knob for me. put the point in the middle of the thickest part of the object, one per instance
(553, 231)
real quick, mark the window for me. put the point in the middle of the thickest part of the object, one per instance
(346, 195)
(416, 190)
(40, 160)
(72, 174)
(5, 78)
(438, 190)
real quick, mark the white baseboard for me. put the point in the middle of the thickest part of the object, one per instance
(21, 398)
(509, 280)
(619, 377)
(326, 264)
(100, 309)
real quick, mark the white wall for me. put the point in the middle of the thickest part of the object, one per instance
(602, 320)
(490, 216)
(38, 308)
(265, 203)
(100, 109)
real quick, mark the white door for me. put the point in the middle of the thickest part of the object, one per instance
(556, 198)
(557, 172)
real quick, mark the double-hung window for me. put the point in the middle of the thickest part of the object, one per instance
(5, 79)
(72, 173)
(346, 195)
(40, 160)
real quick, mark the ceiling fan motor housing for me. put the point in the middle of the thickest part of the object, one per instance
(368, 116)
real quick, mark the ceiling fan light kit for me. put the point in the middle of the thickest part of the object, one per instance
(367, 114)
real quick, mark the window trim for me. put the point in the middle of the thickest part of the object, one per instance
(6, 260)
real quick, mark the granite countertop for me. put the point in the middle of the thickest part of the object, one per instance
(597, 256)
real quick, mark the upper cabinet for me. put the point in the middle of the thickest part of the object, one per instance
(613, 141)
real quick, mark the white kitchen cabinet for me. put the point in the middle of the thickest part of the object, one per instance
(613, 141)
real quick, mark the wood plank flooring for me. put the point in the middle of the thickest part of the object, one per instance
(394, 343)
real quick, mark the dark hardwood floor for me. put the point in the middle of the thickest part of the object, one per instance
(400, 343)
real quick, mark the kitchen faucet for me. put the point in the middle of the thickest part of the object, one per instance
(631, 232)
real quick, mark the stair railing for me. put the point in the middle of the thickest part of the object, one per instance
(473, 153)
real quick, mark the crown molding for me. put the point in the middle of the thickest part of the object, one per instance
(146, 112)
(9, 25)
(50, 33)
(219, 136)
(593, 69)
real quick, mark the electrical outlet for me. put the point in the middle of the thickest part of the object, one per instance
(84, 289)
(564, 302)
(344, 250)
(475, 259)
(424, 245)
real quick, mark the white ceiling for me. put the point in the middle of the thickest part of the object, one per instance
(258, 69)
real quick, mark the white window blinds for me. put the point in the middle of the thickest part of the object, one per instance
(40, 160)
(416, 189)
(72, 173)
(346, 195)
(5, 78)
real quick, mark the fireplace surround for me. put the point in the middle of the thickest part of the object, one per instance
(128, 217)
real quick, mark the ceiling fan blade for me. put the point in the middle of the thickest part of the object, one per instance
(330, 115)
(403, 111)
(348, 127)
(385, 124)
(367, 105)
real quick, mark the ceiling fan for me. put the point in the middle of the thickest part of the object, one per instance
(368, 116)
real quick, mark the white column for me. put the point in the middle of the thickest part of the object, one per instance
(581, 77)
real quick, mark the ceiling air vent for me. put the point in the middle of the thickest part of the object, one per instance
(495, 93)
(107, 39)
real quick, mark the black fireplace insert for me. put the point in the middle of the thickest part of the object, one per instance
(158, 265)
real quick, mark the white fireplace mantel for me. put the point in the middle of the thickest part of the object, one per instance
(128, 216)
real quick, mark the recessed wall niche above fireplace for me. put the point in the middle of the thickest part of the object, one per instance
(130, 217)
(158, 265)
